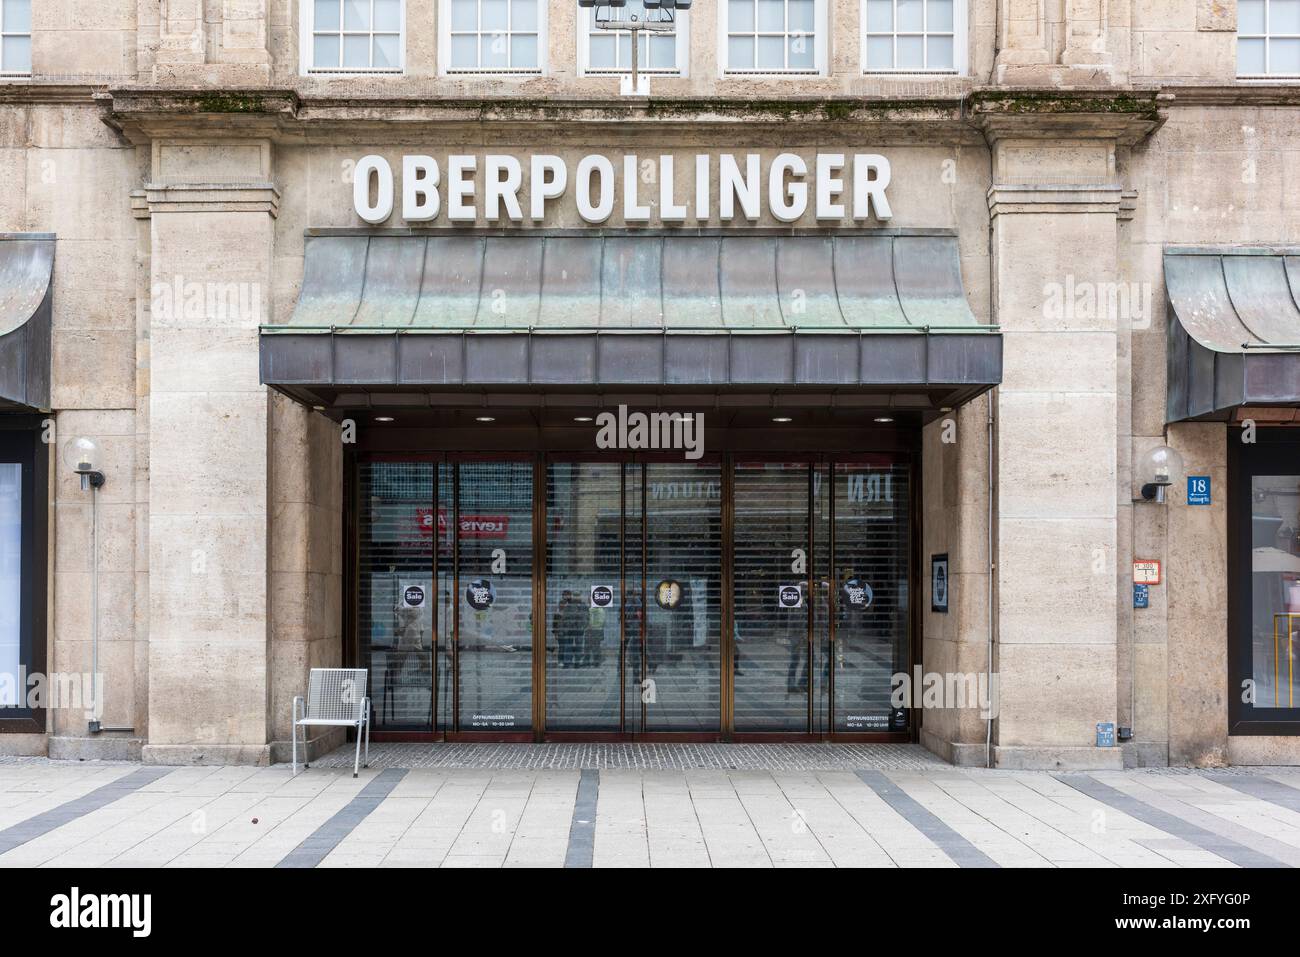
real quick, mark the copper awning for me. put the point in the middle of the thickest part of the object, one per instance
(1234, 329)
(26, 290)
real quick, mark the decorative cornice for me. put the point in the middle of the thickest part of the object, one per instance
(1125, 116)
(284, 114)
(1054, 198)
(1244, 93)
(1128, 204)
(139, 204)
(213, 197)
(35, 93)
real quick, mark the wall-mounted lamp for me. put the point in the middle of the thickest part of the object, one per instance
(1160, 468)
(82, 456)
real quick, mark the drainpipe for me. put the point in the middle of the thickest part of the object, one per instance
(95, 727)
(992, 568)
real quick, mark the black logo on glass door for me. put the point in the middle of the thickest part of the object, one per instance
(480, 594)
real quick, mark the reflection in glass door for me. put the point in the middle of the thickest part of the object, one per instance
(395, 593)
(583, 595)
(494, 602)
(871, 549)
(771, 564)
(683, 572)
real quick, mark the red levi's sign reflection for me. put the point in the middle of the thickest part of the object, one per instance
(471, 526)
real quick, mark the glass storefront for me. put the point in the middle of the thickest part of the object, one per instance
(1265, 583)
(728, 596)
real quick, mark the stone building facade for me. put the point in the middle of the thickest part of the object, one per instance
(1113, 185)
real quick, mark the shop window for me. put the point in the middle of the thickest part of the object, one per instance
(493, 36)
(913, 36)
(1264, 599)
(773, 36)
(23, 478)
(15, 37)
(610, 51)
(1268, 38)
(353, 36)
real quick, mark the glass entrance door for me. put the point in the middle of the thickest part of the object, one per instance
(633, 597)
(611, 606)
(494, 595)
(773, 588)
(870, 553)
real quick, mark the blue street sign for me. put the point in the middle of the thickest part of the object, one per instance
(1106, 734)
(1141, 596)
(1198, 490)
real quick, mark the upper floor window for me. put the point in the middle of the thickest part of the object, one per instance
(354, 36)
(15, 36)
(1268, 38)
(610, 51)
(914, 36)
(773, 36)
(493, 36)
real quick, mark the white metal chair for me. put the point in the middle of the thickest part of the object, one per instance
(336, 697)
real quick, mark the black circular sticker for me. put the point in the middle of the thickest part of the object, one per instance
(857, 593)
(480, 594)
(413, 596)
(668, 593)
(790, 596)
(602, 596)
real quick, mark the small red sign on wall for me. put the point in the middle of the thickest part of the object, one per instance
(1146, 571)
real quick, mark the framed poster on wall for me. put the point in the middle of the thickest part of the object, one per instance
(940, 583)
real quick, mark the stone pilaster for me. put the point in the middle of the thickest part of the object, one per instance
(214, 43)
(1054, 251)
(209, 620)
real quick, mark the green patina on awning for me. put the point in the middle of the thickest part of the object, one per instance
(685, 281)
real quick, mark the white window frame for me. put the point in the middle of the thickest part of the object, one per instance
(307, 47)
(444, 47)
(1266, 36)
(5, 71)
(960, 43)
(821, 27)
(682, 23)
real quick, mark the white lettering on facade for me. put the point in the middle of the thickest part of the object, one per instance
(454, 188)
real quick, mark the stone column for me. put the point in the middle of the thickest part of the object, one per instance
(1054, 251)
(212, 214)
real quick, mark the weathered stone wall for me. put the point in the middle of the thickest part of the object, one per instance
(220, 547)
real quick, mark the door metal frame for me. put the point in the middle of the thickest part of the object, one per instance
(726, 461)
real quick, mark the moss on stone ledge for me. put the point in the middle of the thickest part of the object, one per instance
(217, 102)
(1050, 102)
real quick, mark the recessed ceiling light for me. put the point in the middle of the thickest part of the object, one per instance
(485, 418)
(884, 419)
(383, 418)
(318, 408)
(782, 418)
(582, 418)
